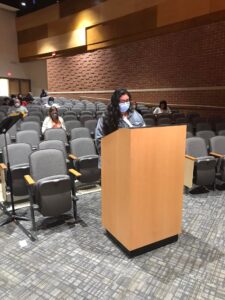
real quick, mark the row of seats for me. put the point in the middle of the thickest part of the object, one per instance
(83, 157)
(90, 125)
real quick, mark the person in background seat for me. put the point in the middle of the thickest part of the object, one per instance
(51, 102)
(18, 107)
(43, 93)
(53, 120)
(162, 108)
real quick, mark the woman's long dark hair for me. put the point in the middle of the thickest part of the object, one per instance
(163, 102)
(113, 114)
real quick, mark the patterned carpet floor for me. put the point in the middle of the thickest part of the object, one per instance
(80, 262)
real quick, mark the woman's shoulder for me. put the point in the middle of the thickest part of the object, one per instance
(136, 114)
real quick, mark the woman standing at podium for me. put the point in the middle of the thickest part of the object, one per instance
(119, 114)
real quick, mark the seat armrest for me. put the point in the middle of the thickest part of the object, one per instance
(74, 172)
(3, 166)
(73, 157)
(216, 154)
(29, 180)
(190, 157)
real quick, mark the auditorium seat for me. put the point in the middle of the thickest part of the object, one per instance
(164, 121)
(79, 132)
(31, 125)
(72, 124)
(30, 137)
(206, 135)
(217, 148)
(205, 165)
(33, 118)
(91, 125)
(51, 188)
(2, 143)
(19, 165)
(69, 117)
(86, 160)
(56, 134)
(54, 144)
(150, 122)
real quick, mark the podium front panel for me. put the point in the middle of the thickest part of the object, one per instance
(142, 184)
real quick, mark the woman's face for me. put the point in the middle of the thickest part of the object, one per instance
(124, 103)
(17, 103)
(162, 106)
(54, 114)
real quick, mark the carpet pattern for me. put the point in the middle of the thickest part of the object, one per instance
(80, 262)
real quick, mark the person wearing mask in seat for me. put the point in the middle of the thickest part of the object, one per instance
(120, 113)
(51, 102)
(53, 120)
(17, 107)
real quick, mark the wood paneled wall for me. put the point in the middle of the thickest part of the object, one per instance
(93, 25)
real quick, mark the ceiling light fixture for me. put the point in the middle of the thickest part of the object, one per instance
(23, 3)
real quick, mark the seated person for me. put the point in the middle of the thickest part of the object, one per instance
(29, 98)
(43, 93)
(162, 108)
(53, 120)
(18, 107)
(51, 102)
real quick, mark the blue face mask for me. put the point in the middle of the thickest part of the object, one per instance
(124, 106)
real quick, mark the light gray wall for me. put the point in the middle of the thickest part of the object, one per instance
(37, 72)
(9, 61)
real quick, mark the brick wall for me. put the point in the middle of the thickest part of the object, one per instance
(189, 58)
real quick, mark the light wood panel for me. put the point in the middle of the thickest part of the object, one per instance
(32, 34)
(188, 172)
(142, 184)
(74, 39)
(129, 25)
(101, 13)
(109, 23)
(68, 7)
(40, 17)
(173, 11)
(14, 86)
(25, 87)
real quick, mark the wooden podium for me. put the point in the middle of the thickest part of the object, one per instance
(142, 186)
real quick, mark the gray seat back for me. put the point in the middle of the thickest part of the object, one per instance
(18, 153)
(53, 185)
(28, 136)
(45, 163)
(53, 144)
(2, 140)
(91, 125)
(31, 125)
(19, 164)
(217, 144)
(56, 134)
(206, 135)
(195, 146)
(72, 124)
(81, 132)
(82, 147)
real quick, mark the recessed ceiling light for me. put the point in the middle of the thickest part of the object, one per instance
(23, 3)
